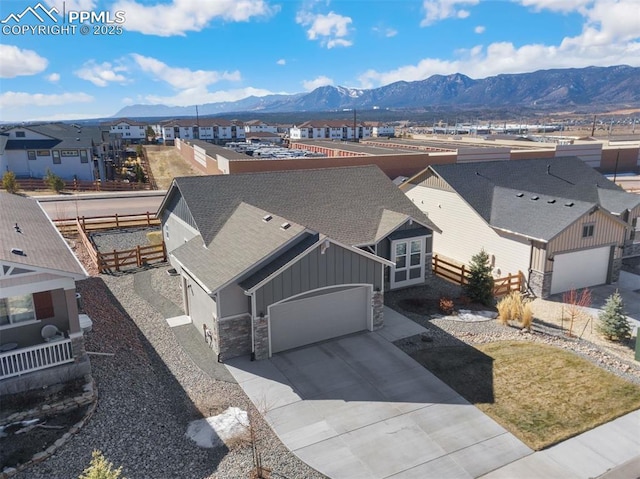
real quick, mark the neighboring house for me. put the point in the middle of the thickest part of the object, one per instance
(38, 272)
(215, 130)
(66, 150)
(131, 131)
(557, 220)
(272, 261)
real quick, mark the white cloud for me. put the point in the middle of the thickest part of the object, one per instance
(53, 77)
(385, 32)
(13, 99)
(610, 36)
(72, 5)
(183, 78)
(436, 10)
(199, 95)
(101, 74)
(330, 29)
(127, 100)
(16, 62)
(181, 16)
(282, 61)
(556, 5)
(310, 85)
(479, 29)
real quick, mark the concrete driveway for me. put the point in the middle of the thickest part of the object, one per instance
(358, 407)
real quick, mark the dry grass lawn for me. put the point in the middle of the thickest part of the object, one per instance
(540, 393)
(166, 163)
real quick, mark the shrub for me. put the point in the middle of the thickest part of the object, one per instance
(575, 305)
(480, 285)
(154, 237)
(53, 181)
(100, 468)
(9, 182)
(613, 321)
(514, 308)
(446, 306)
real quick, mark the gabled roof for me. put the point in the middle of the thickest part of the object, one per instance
(38, 238)
(531, 197)
(244, 240)
(346, 204)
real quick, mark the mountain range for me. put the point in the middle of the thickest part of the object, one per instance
(586, 89)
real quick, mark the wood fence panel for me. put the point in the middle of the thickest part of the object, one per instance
(459, 274)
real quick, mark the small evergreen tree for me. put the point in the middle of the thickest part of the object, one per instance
(480, 285)
(100, 468)
(139, 172)
(9, 182)
(54, 181)
(613, 322)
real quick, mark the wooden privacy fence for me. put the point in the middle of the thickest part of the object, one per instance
(459, 274)
(115, 260)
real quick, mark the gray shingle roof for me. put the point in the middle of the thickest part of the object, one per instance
(40, 241)
(491, 188)
(244, 240)
(346, 204)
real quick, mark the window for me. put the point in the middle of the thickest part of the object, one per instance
(16, 309)
(31, 155)
(69, 152)
(587, 231)
(43, 152)
(83, 156)
(408, 255)
(56, 157)
(20, 134)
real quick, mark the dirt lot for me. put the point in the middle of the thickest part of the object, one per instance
(166, 163)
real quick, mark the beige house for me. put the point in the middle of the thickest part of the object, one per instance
(558, 221)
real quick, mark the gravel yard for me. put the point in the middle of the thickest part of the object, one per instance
(149, 391)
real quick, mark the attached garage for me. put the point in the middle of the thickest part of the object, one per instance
(580, 269)
(318, 316)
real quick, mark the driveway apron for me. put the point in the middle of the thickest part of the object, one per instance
(358, 407)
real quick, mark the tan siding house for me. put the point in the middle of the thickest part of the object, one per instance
(558, 221)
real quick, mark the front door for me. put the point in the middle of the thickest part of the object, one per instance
(408, 256)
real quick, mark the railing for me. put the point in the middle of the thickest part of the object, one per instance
(34, 358)
(139, 256)
(459, 274)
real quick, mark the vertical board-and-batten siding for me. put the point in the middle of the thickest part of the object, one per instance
(317, 270)
(607, 231)
(538, 255)
(178, 207)
(464, 232)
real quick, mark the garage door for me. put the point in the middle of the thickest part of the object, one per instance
(580, 269)
(324, 316)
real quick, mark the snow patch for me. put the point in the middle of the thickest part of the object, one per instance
(472, 316)
(214, 431)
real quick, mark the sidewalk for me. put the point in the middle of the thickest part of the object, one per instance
(608, 451)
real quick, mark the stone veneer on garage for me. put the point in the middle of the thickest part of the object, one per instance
(234, 337)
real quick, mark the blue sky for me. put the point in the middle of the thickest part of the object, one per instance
(186, 52)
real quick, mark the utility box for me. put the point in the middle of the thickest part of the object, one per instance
(637, 346)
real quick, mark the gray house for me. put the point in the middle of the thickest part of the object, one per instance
(41, 341)
(556, 220)
(273, 261)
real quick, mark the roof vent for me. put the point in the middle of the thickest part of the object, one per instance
(267, 218)
(17, 228)
(535, 198)
(285, 226)
(551, 201)
(17, 251)
(569, 204)
(520, 195)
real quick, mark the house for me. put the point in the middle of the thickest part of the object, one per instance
(41, 341)
(215, 130)
(130, 131)
(276, 260)
(557, 220)
(259, 126)
(69, 151)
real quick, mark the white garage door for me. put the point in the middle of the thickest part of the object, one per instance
(325, 316)
(580, 269)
